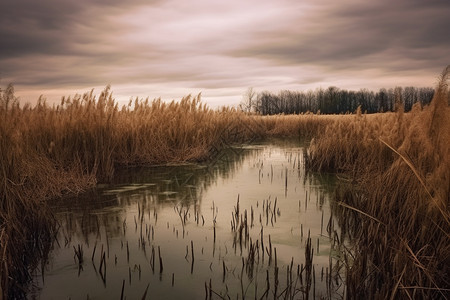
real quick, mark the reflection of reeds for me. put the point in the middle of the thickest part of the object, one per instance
(396, 200)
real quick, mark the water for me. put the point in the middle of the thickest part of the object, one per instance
(207, 222)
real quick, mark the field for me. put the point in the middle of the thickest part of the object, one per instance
(393, 198)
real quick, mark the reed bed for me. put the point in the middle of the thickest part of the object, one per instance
(47, 152)
(395, 197)
(400, 159)
(305, 126)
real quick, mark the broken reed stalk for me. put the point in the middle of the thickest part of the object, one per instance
(152, 259)
(224, 271)
(78, 254)
(144, 296)
(192, 260)
(128, 253)
(285, 182)
(160, 261)
(102, 268)
(123, 289)
(93, 251)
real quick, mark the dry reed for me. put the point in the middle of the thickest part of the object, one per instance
(396, 201)
(49, 151)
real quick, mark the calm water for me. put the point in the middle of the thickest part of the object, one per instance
(192, 231)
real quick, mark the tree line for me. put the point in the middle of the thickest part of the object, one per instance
(334, 100)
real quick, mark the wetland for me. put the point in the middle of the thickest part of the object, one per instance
(250, 223)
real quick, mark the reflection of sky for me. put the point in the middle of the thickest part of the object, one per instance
(258, 178)
(173, 48)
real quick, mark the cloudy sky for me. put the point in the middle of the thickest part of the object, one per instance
(171, 48)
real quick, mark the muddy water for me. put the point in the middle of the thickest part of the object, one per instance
(196, 231)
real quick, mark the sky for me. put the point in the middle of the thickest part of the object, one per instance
(172, 48)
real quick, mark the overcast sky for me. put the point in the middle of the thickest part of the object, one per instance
(172, 48)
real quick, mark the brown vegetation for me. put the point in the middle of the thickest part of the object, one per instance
(398, 164)
(397, 200)
(47, 152)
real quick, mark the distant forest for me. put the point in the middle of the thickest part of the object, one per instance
(335, 101)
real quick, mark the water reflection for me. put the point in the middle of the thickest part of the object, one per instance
(250, 223)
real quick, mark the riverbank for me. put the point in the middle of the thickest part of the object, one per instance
(396, 200)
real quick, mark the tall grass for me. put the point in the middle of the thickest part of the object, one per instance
(401, 160)
(396, 202)
(49, 151)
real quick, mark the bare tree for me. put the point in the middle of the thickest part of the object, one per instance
(248, 103)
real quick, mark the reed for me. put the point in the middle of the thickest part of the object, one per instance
(47, 152)
(395, 199)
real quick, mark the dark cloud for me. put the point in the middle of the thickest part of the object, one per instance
(369, 33)
(30, 27)
(165, 46)
(51, 26)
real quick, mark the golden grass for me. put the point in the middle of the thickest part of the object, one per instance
(400, 162)
(398, 203)
(46, 152)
